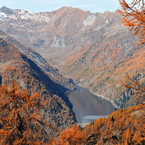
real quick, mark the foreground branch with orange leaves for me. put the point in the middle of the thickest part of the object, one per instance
(134, 17)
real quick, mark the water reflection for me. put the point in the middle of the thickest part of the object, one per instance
(87, 104)
(91, 118)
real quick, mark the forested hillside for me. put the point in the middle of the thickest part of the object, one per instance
(125, 126)
(16, 66)
(122, 127)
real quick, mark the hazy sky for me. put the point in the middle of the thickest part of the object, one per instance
(50, 5)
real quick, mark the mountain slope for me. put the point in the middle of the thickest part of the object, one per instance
(56, 33)
(122, 127)
(95, 50)
(103, 70)
(40, 61)
(16, 65)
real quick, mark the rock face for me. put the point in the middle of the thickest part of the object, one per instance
(14, 64)
(95, 50)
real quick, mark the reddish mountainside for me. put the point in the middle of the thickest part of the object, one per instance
(16, 65)
(95, 50)
(102, 70)
(122, 127)
(40, 61)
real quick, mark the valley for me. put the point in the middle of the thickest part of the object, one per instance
(68, 67)
(95, 50)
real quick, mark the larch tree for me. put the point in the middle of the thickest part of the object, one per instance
(20, 117)
(134, 17)
(71, 136)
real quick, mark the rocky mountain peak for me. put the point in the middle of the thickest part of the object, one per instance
(6, 10)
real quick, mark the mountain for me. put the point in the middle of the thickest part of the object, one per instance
(94, 49)
(16, 65)
(41, 62)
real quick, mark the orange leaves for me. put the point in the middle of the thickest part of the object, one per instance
(20, 116)
(122, 127)
(71, 136)
(11, 68)
(127, 23)
(124, 4)
(3, 132)
(127, 136)
(134, 17)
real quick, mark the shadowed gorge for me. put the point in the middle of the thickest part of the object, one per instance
(15, 65)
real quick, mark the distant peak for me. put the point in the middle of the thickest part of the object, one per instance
(67, 7)
(70, 8)
(4, 7)
(6, 10)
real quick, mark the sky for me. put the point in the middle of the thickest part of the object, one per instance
(51, 5)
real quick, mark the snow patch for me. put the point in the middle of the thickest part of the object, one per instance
(35, 16)
(24, 15)
(2, 15)
(89, 20)
(106, 21)
(12, 16)
(59, 43)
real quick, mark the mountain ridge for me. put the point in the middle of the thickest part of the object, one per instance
(40, 61)
(15, 65)
(94, 49)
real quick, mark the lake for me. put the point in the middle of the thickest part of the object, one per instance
(87, 104)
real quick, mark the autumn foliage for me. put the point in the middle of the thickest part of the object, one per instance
(135, 85)
(134, 17)
(20, 118)
(71, 136)
(122, 127)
